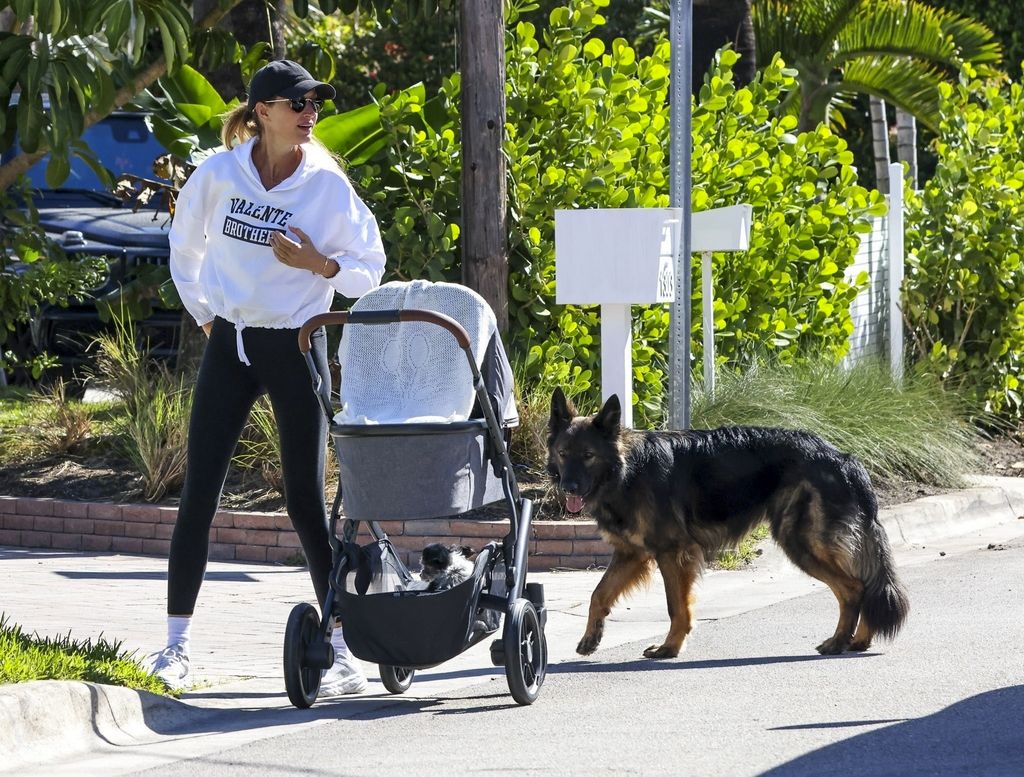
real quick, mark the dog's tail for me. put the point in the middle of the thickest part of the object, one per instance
(885, 605)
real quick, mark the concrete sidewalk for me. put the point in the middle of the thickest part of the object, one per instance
(239, 624)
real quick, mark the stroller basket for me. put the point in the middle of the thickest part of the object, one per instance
(413, 629)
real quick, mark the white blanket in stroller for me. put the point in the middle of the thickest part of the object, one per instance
(415, 372)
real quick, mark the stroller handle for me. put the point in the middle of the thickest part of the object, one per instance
(382, 317)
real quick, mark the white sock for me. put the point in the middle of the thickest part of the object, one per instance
(178, 628)
(338, 641)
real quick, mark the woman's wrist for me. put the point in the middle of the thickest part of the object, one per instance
(329, 268)
(333, 268)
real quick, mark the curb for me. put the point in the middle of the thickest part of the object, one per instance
(986, 502)
(47, 720)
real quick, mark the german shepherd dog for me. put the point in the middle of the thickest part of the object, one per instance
(676, 498)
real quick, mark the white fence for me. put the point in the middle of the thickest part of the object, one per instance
(877, 318)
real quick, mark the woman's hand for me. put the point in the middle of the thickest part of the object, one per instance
(302, 255)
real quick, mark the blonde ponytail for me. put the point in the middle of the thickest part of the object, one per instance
(238, 126)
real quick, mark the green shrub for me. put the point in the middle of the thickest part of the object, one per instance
(413, 188)
(912, 430)
(963, 297)
(787, 295)
(34, 270)
(67, 423)
(154, 428)
(588, 126)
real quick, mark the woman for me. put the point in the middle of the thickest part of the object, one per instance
(263, 236)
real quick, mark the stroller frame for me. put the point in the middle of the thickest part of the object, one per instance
(522, 647)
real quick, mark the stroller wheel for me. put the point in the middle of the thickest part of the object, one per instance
(396, 679)
(526, 652)
(301, 680)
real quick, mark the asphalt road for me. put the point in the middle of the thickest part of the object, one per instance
(748, 697)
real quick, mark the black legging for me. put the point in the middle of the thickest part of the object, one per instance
(224, 394)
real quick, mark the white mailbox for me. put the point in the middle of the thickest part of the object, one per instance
(616, 257)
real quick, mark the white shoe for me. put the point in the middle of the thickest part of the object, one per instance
(172, 666)
(345, 677)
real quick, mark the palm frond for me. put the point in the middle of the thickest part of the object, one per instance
(895, 28)
(899, 50)
(908, 84)
(840, 18)
(786, 26)
(976, 43)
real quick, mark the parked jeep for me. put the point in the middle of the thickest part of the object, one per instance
(88, 220)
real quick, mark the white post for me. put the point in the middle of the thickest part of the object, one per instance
(617, 357)
(708, 308)
(895, 228)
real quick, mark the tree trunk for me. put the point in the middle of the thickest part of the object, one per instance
(482, 59)
(249, 22)
(716, 23)
(880, 144)
(278, 17)
(906, 144)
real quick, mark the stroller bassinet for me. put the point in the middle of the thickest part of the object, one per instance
(412, 439)
(426, 408)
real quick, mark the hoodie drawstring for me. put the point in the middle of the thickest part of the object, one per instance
(239, 326)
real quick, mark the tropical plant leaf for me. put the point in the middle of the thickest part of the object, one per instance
(895, 29)
(906, 84)
(189, 86)
(843, 46)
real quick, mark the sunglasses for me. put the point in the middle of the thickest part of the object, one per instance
(298, 104)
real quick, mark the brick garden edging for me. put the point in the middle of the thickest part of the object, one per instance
(266, 537)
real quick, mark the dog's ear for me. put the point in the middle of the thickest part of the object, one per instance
(467, 551)
(610, 415)
(562, 411)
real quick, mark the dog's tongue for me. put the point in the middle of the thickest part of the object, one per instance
(573, 503)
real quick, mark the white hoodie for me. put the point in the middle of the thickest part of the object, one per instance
(221, 260)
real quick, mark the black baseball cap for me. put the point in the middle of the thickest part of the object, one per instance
(285, 78)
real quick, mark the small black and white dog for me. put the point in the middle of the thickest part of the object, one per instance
(445, 566)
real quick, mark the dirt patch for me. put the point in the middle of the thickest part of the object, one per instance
(108, 478)
(1001, 457)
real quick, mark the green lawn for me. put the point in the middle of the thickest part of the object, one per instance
(26, 657)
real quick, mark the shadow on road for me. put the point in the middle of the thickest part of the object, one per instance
(651, 665)
(977, 736)
(224, 577)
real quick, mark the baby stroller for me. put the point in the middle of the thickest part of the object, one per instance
(422, 432)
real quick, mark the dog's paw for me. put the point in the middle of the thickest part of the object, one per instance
(588, 644)
(661, 651)
(859, 646)
(832, 646)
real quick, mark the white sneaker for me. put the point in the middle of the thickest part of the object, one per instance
(345, 677)
(172, 666)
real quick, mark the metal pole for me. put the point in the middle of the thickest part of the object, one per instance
(680, 143)
(708, 308)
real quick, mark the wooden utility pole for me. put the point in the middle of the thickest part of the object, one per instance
(482, 61)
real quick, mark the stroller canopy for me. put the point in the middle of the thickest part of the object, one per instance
(415, 372)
